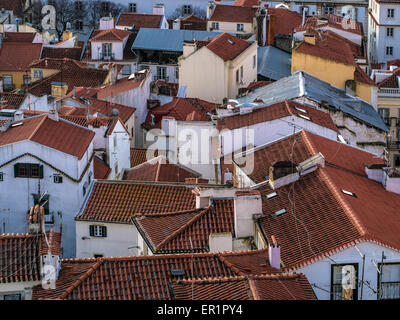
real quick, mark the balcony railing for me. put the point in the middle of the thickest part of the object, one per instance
(107, 56)
(389, 92)
(8, 87)
(390, 290)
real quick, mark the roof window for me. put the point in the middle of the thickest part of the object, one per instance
(349, 193)
(272, 195)
(300, 109)
(279, 212)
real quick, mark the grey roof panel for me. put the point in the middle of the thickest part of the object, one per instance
(168, 39)
(301, 84)
(273, 63)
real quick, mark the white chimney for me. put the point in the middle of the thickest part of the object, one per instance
(375, 172)
(274, 253)
(106, 23)
(246, 205)
(4, 124)
(159, 9)
(53, 115)
(391, 180)
(204, 196)
(219, 242)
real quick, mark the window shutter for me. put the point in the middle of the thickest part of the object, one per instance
(41, 172)
(91, 231)
(16, 170)
(28, 169)
(104, 231)
(60, 179)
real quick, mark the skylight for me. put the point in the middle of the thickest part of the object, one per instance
(230, 41)
(300, 109)
(17, 124)
(304, 117)
(349, 193)
(279, 212)
(271, 195)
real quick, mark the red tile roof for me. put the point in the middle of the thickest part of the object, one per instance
(308, 144)
(361, 76)
(186, 231)
(144, 277)
(140, 20)
(192, 22)
(159, 170)
(276, 111)
(17, 56)
(395, 62)
(19, 37)
(60, 53)
(258, 84)
(333, 21)
(227, 13)
(392, 81)
(58, 135)
(119, 201)
(139, 156)
(181, 109)
(101, 170)
(20, 255)
(12, 99)
(285, 20)
(247, 3)
(227, 47)
(328, 220)
(328, 47)
(355, 48)
(109, 35)
(266, 287)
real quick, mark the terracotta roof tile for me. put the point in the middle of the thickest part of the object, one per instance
(19, 37)
(361, 76)
(109, 35)
(139, 20)
(12, 99)
(276, 111)
(13, 5)
(17, 56)
(101, 170)
(192, 22)
(227, 47)
(247, 3)
(140, 277)
(187, 231)
(60, 53)
(59, 135)
(392, 81)
(285, 20)
(159, 170)
(227, 13)
(119, 201)
(139, 156)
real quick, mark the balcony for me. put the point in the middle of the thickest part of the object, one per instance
(389, 92)
(107, 56)
(390, 290)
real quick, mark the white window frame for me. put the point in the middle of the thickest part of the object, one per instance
(132, 7)
(215, 25)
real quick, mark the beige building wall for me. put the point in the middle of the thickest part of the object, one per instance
(208, 77)
(230, 27)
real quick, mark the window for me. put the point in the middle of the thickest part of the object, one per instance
(79, 25)
(105, 6)
(390, 13)
(389, 283)
(98, 255)
(187, 9)
(28, 170)
(389, 51)
(397, 160)
(84, 190)
(254, 61)
(116, 168)
(11, 297)
(237, 75)
(239, 27)
(27, 79)
(58, 178)
(1, 176)
(132, 7)
(8, 83)
(126, 70)
(272, 195)
(98, 231)
(384, 113)
(215, 26)
(78, 5)
(106, 50)
(241, 73)
(330, 10)
(38, 74)
(349, 193)
(161, 73)
(279, 212)
(177, 72)
(389, 32)
(344, 282)
(115, 140)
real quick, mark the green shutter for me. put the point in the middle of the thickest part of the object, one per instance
(28, 169)
(16, 170)
(104, 231)
(41, 172)
(91, 231)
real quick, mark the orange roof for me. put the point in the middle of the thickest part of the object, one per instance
(19, 37)
(263, 287)
(227, 47)
(119, 201)
(140, 20)
(110, 35)
(17, 56)
(392, 81)
(328, 47)
(286, 20)
(139, 156)
(276, 111)
(92, 279)
(101, 170)
(247, 3)
(59, 135)
(227, 13)
(361, 76)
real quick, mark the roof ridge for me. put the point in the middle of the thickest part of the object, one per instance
(286, 102)
(38, 127)
(253, 289)
(172, 213)
(230, 265)
(309, 144)
(183, 227)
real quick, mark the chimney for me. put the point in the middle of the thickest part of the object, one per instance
(159, 9)
(246, 205)
(219, 242)
(391, 180)
(210, 8)
(282, 173)
(4, 124)
(271, 30)
(309, 38)
(53, 115)
(106, 23)
(204, 196)
(274, 253)
(36, 220)
(50, 263)
(375, 172)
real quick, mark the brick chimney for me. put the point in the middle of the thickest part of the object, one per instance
(271, 30)
(246, 205)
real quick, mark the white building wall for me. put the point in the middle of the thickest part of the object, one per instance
(121, 240)
(117, 50)
(24, 288)
(319, 273)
